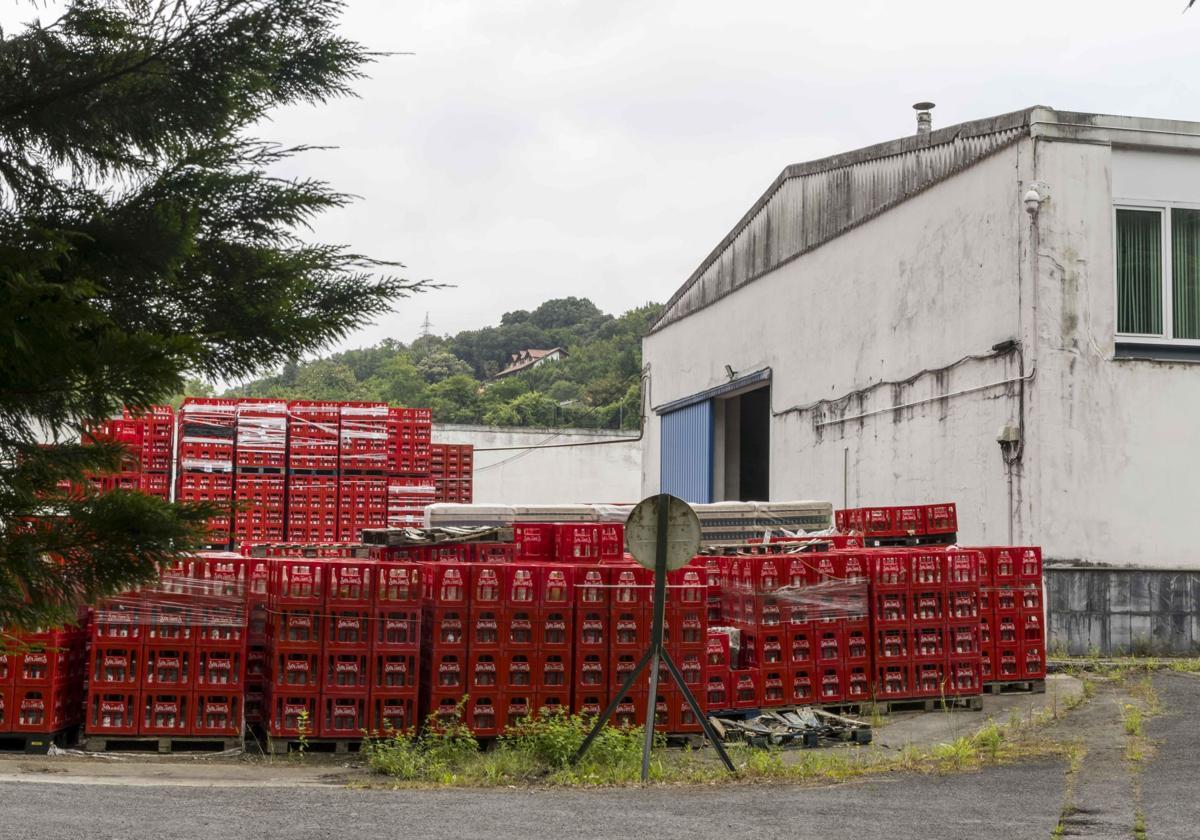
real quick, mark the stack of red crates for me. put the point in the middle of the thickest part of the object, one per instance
(410, 486)
(148, 441)
(925, 622)
(207, 430)
(41, 680)
(170, 660)
(260, 459)
(1012, 615)
(312, 478)
(900, 521)
(452, 468)
(363, 461)
(344, 646)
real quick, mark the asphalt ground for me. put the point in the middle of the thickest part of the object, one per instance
(1005, 803)
(1170, 781)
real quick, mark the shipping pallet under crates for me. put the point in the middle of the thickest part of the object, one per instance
(1015, 687)
(163, 743)
(340, 746)
(38, 743)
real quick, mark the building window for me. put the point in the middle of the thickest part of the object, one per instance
(1158, 273)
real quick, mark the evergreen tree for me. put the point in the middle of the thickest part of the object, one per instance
(143, 241)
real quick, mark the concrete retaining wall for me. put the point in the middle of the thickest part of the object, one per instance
(1119, 611)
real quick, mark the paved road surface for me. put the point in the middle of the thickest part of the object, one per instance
(1005, 803)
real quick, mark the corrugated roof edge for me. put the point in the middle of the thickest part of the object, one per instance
(889, 148)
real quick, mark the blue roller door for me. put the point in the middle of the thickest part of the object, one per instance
(686, 465)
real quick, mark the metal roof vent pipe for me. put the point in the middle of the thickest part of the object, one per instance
(924, 118)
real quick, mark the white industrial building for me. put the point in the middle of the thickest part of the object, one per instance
(1003, 313)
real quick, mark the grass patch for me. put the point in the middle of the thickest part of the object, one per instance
(538, 752)
(1131, 719)
(1139, 825)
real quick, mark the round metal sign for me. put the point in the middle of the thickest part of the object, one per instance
(683, 531)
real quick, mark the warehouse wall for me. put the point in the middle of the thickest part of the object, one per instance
(1120, 611)
(554, 475)
(1114, 445)
(918, 287)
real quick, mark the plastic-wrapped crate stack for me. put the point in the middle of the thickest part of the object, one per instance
(362, 477)
(148, 441)
(207, 432)
(260, 459)
(343, 643)
(168, 660)
(41, 681)
(452, 468)
(312, 471)
(410, 486)
(1012, 617)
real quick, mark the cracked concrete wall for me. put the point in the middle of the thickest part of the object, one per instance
(1113, 451)
(919, 287)
(1120, 611)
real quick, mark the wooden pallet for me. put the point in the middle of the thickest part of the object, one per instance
(1015, 687)
(37, 743)
(162, 744)
(970, 702)
(914, 540)
(339, 746)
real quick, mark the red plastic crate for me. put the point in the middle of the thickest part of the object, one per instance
(445, 629)
(484, 629)
(42, 668)
(891, 609)
(169, 621)
(484, 671)
(927, 570)
(576, 542)
(520, 585)
(1007, 665)
(41, 709)
(858, 682)
(554, 630)
(717, 651)
(350, 583)
(1004, 565)
(986, 629)
(296, 582)
(7, 711)
(347, 673)
(6, 668)
(1005, 599)
(519, 629)
(987, 669)
(515, 708)
(962, 568)
(297, 626)
(591, 587)
(1029, 565)
(218, 714)
(963, 639)
(928, 606)
(396, 629)
(165, 669)
(592, 630)
(398, 583)
(717, 695)
(962, 604)
(929, 643)
(487, 586)
(552, 672)
(746, 688)
(220, 669)
(294, 671)
(964, 676)
(347, 628)
(890, 572)
(111, 712)
(929, 679)
(115, 667)
(442, 705)
(165, 714)
(117, 621)
(1007, 629)
(482, 714)
(534, 541)
(446, 584)
(220, 624)
(448, 672)
(630, 628)
(831, 646)
(800, 685)
(893, 680)
(591, 673)
(1029, 599)
(550, 703)
(831, 686)
(392, 712)
(1032, 662)
(293, 714)
(857, 644)
(517, 671)
(631, 586)
(941, 519)
(630, 711)
(555, 585)
(394, 672)
(343, 715)
(801, 645)
(688, 628)
(620, 665)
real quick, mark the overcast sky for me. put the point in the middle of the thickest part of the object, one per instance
(602, 148)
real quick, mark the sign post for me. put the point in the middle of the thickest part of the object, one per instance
(663, 534)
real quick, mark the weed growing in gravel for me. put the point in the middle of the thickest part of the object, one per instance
(1131, 719)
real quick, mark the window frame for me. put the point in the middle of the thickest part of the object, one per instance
(1166, 280)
